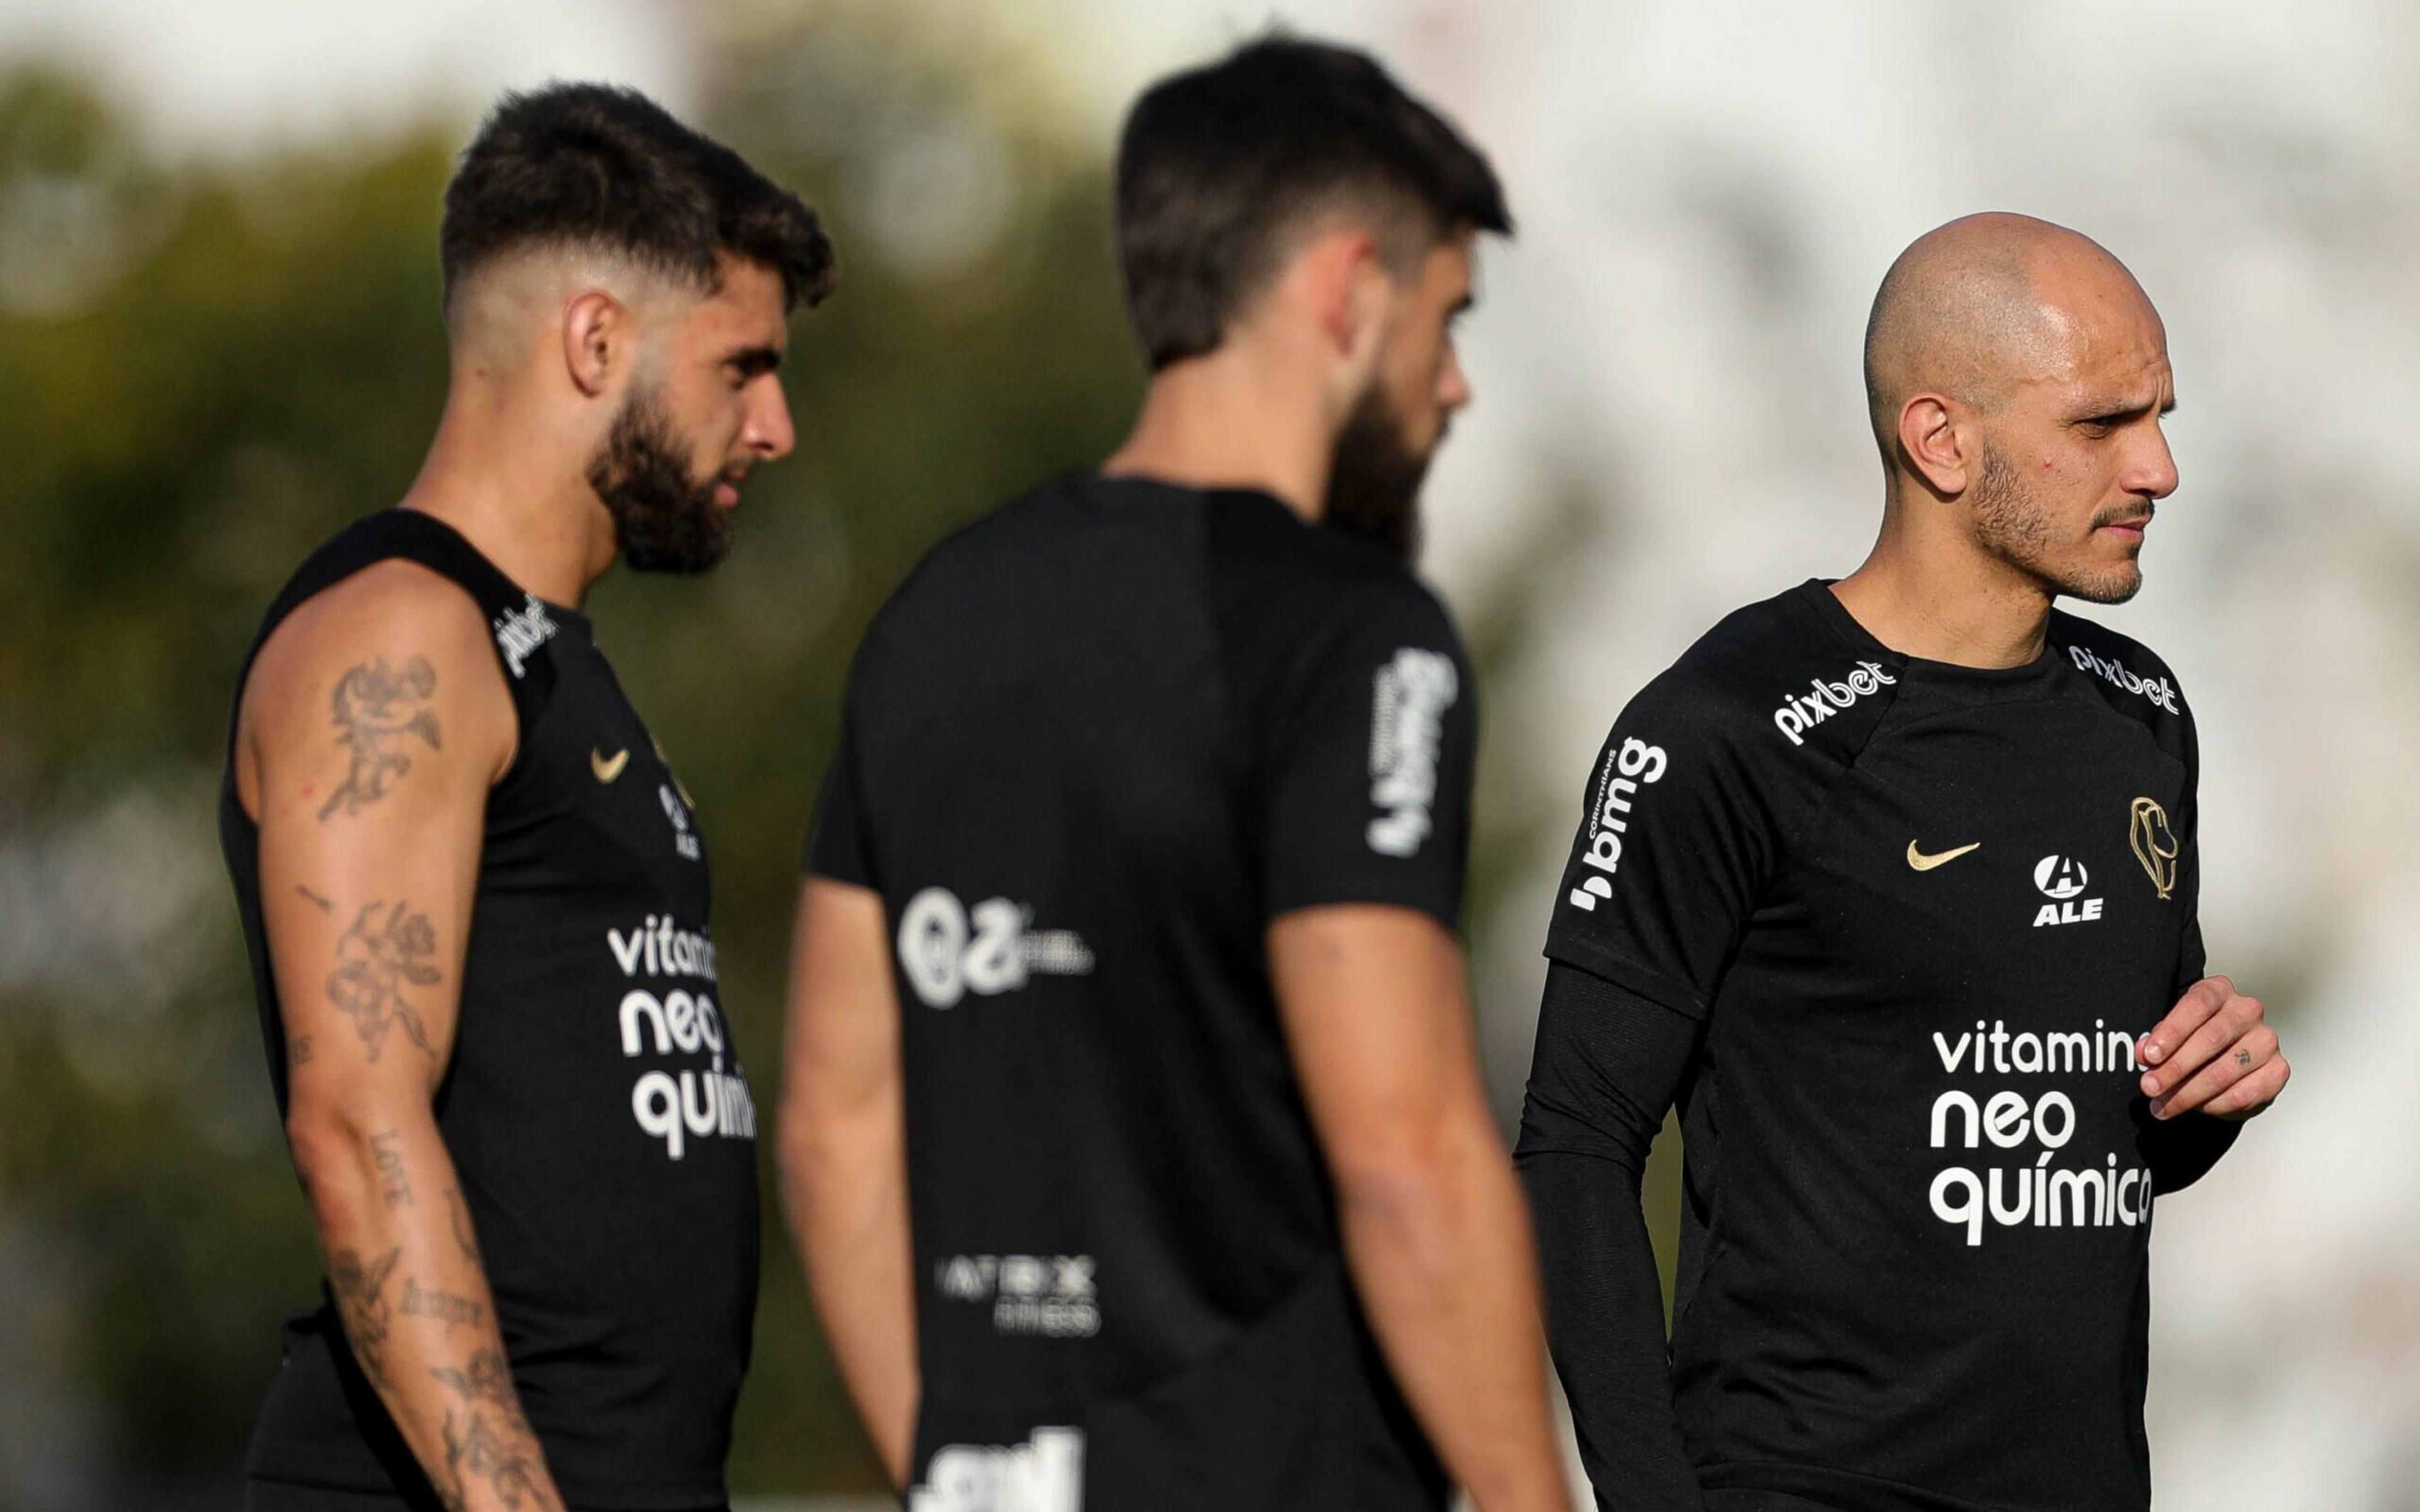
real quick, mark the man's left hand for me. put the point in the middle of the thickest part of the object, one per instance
(2214, 1052)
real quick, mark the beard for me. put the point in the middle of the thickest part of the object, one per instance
(1373, 480)
(2014, 525)
(664, 520)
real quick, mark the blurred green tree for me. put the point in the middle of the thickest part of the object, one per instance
(209, 368)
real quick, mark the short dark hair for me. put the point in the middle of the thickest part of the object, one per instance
(1216, 166)
(592, 165)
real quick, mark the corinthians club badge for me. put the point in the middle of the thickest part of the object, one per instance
(2154, 843)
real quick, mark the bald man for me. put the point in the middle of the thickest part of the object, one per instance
(1890, 883)
(475, 894)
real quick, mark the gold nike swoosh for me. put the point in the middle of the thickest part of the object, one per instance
(1925, 863)
(608, 768)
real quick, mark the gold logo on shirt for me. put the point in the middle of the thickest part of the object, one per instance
(2154, 843)
(606, 767)
(1925, 863)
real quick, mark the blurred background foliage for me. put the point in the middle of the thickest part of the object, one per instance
(209, 368)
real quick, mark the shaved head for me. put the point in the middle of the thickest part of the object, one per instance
(2015, 378)
(1976, 307)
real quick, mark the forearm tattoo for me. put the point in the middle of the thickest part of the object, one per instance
(375, 960)
(459, 1210)
(445, 1306)
(360, 1303)
(386, 1153)
(378, 711)
(490, 1438)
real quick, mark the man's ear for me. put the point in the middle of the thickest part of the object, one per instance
(1334, 269)
(1938, 436)
(1372, 298)
(598, 330)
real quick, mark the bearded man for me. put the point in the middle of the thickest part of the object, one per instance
(1132, 1128)
(1891, 883)
(475, 894)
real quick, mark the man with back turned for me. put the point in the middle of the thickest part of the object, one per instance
(1892, 884)
(1133, 1127)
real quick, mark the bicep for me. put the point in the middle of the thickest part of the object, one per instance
(373, 726)
(1377, 1018)
(841, 1050)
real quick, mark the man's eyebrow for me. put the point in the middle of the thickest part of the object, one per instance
(2120, 406)
(753, 361)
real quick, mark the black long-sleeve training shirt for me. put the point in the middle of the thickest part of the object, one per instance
(1887, 931)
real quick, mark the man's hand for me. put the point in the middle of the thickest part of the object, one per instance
(2213, 1051)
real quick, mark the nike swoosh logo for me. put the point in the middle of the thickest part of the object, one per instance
(609, 768)
(1925, 863)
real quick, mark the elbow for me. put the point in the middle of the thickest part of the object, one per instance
(1411, 1194)
(813, 1146)
(795, 1146)
(332, 1154)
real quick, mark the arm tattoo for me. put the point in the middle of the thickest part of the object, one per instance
(510, 1466)
(362, 1305)
(325, 906)
(376, 707)
(445, 1306)
(375, 960)
(487, 1379)
(297, 1051)
(474, 1446)
(459, 1210)
(387, 1150)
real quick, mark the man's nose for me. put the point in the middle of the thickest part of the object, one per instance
(768, 432)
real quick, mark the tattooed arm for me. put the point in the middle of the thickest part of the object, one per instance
(374, 723)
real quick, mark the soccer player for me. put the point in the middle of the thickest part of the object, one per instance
(1891, 882)
(1132, 1126)
(474, 892)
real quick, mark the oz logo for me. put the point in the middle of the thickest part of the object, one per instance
(947, 950)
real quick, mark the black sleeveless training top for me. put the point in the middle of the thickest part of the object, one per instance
(594, 1107)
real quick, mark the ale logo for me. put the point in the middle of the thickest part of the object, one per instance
(2154, 843)
(2059, 877)
(2062, 879)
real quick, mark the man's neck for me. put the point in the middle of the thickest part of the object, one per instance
(1232, 420)
(491, 476)
(1943, 598)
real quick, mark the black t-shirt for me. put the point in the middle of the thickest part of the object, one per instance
(594, 1108)
(1092, 747)
(1922, 913)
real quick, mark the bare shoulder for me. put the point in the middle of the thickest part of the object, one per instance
(392, 666)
